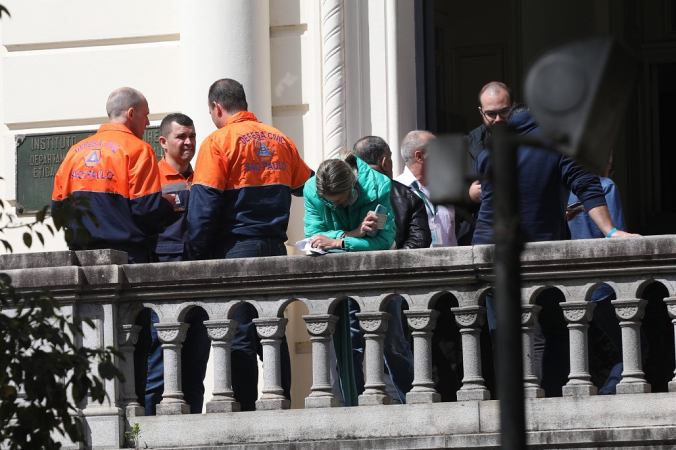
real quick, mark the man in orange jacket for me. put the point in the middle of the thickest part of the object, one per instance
(239, 207)
(117, 172)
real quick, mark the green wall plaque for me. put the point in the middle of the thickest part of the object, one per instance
(38, 157)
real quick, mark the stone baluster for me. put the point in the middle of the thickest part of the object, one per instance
(470, 319)
(671, 307)
(529, 317)
(172, 335)
(127, 336)
(421, 324)
(578, 315)
(630, 312)
(221, 333)
(321, 328)
(271, 331)
(374, 325)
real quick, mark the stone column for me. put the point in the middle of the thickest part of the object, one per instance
(221, 333)
(171, 336)
(271, 331)
(470, 319)
(422, 323)
(671, 307)
(321, 328)
(630, 312)
(127, 336)
(374, 325)
(578, 316)
(529, 317)
(224, 39)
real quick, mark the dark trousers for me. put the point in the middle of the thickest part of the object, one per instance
(246, 344)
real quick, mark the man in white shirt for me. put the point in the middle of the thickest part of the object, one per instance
(446, 346)
(441, 218)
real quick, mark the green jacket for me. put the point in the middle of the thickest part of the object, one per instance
(321, 217)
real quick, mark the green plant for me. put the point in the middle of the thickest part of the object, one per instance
(134, 436)
(44, 372)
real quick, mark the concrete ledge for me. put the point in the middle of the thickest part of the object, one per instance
(627, 422)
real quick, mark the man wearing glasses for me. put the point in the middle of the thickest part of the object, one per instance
(495, 101)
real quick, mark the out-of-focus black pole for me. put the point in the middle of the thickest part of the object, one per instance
(507, 292)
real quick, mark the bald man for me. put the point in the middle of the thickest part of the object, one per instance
(495, 102)
(117, 172)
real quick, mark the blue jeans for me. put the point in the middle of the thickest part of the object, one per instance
(246, 344)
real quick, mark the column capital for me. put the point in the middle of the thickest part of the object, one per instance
(172, 332)
(127, 334)
(425, 320)
(529, 314)
(469, 316)
(578, 312)
(630, 309)
(221, 330)
(271, 328)
(671, 306)
(373, 322)
(321, 325)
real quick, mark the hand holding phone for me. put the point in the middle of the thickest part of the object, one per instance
(381, 212)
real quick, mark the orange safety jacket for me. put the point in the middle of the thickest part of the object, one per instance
(242, 185)
(174, 236)
(118, 173)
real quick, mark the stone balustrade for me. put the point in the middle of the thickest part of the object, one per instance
(99, 284)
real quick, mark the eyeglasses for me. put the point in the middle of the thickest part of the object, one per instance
(503, 113)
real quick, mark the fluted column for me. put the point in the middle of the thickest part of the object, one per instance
(271, 331)
(321, 328)
(671, 307)
(421, 324)
(333, 71)
(578, 316)
(374, 325)
(221, 333)
(630, 312)
(529, 317)
(172, 335)
(127, 336)
(470, 319)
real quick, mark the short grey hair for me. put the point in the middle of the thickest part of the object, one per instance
(121, 99)
(335, 177)
(413, 142)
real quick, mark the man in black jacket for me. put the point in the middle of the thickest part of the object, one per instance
(412, 232)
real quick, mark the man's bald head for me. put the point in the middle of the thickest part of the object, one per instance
(130, 108)
(495, 99)
(121, 99)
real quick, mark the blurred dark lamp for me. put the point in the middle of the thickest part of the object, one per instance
(578, 94)
(446, 169)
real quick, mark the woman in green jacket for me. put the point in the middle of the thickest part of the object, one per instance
(340, 214)
(340, 204)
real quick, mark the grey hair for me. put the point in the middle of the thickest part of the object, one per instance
(121, 99)
(413, 142)
(335, 177)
